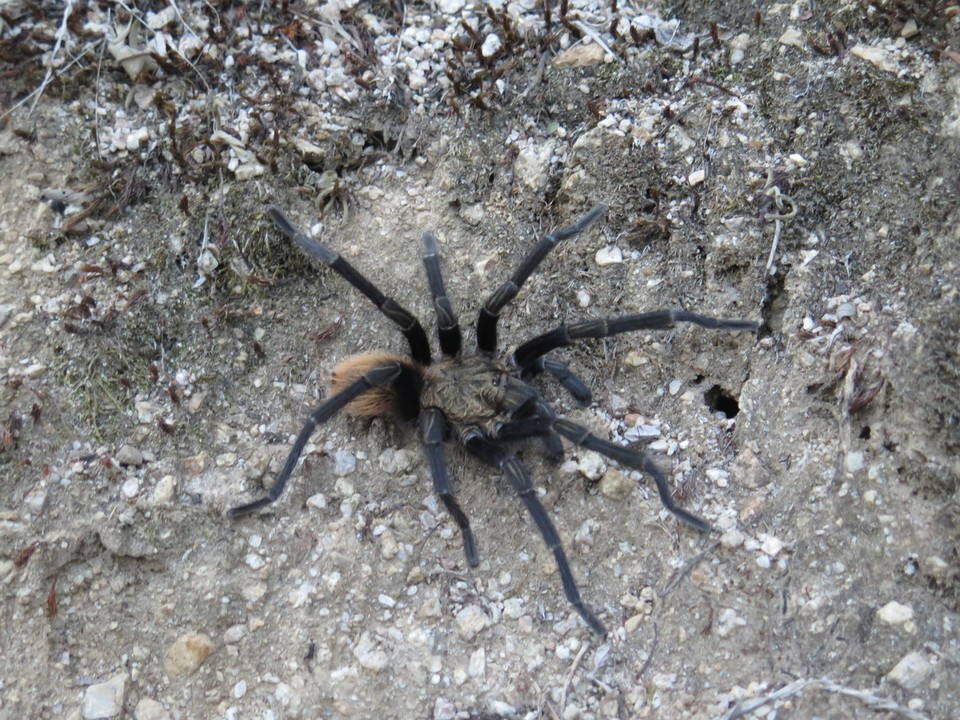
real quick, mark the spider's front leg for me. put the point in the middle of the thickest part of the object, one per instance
(382, 374)
(434, 430)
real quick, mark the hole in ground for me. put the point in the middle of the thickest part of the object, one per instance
(719, 400)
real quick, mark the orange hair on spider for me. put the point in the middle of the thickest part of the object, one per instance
(376, 401)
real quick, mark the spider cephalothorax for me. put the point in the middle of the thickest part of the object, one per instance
(477, 401)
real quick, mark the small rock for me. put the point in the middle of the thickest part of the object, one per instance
(533, 164)
(187, 654)
(633, 623)
(615, 485)
(696, 177)
(394, 462)
(254, 561)
(318, 501)
(728, 621)
(674, 386)
(473, 214)
(470, 621)
(35, 371)
(35, 500)
(771, 545)
(369, 655)
(344, 463)
(129, 455)
(451, 7)
(732, 539)
(792, 37)
(592, 465)
(478, 664)
(443, 709)
(150, 709)
(893, 613)
(491, 45)
(147, 412)
(909, 29)
(853, 462)
(878, 57)
(581, 56)
(165, 490)
(609, 255)
(194, 465)
(105, 700)
(234, 634)
(910, 671)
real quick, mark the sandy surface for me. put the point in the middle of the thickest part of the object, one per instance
(162, 345)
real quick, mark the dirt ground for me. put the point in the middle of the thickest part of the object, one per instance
(161, 345)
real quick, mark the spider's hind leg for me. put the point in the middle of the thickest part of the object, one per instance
(383, 374)
(579, 435)
(489, 452)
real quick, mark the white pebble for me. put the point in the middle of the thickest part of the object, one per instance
(344, 463)
(609, 255)
(592, 465)
(771, 545)
(254, 561)
(491, 45)
(853, 462)
(893, 613)
(674, 386)
(470, 621)
(105, 700)
(910, 671)
(369, 655)
(240, 689)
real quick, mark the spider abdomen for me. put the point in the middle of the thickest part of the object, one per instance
(401, 397)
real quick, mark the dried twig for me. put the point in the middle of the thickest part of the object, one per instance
(874, 702)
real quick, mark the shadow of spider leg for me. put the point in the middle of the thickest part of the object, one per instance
(487, 451)
(379, 376)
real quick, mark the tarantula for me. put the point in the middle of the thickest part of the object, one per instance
(479, 401)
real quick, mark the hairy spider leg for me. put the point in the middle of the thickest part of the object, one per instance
(400, 316)
(434, 430)
(579, 435)
(546, 423)
(487, 451)
(380, 375)
(448, 327)
(527, 354)
(490, 313)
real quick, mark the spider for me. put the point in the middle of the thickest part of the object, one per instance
(478, 400)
